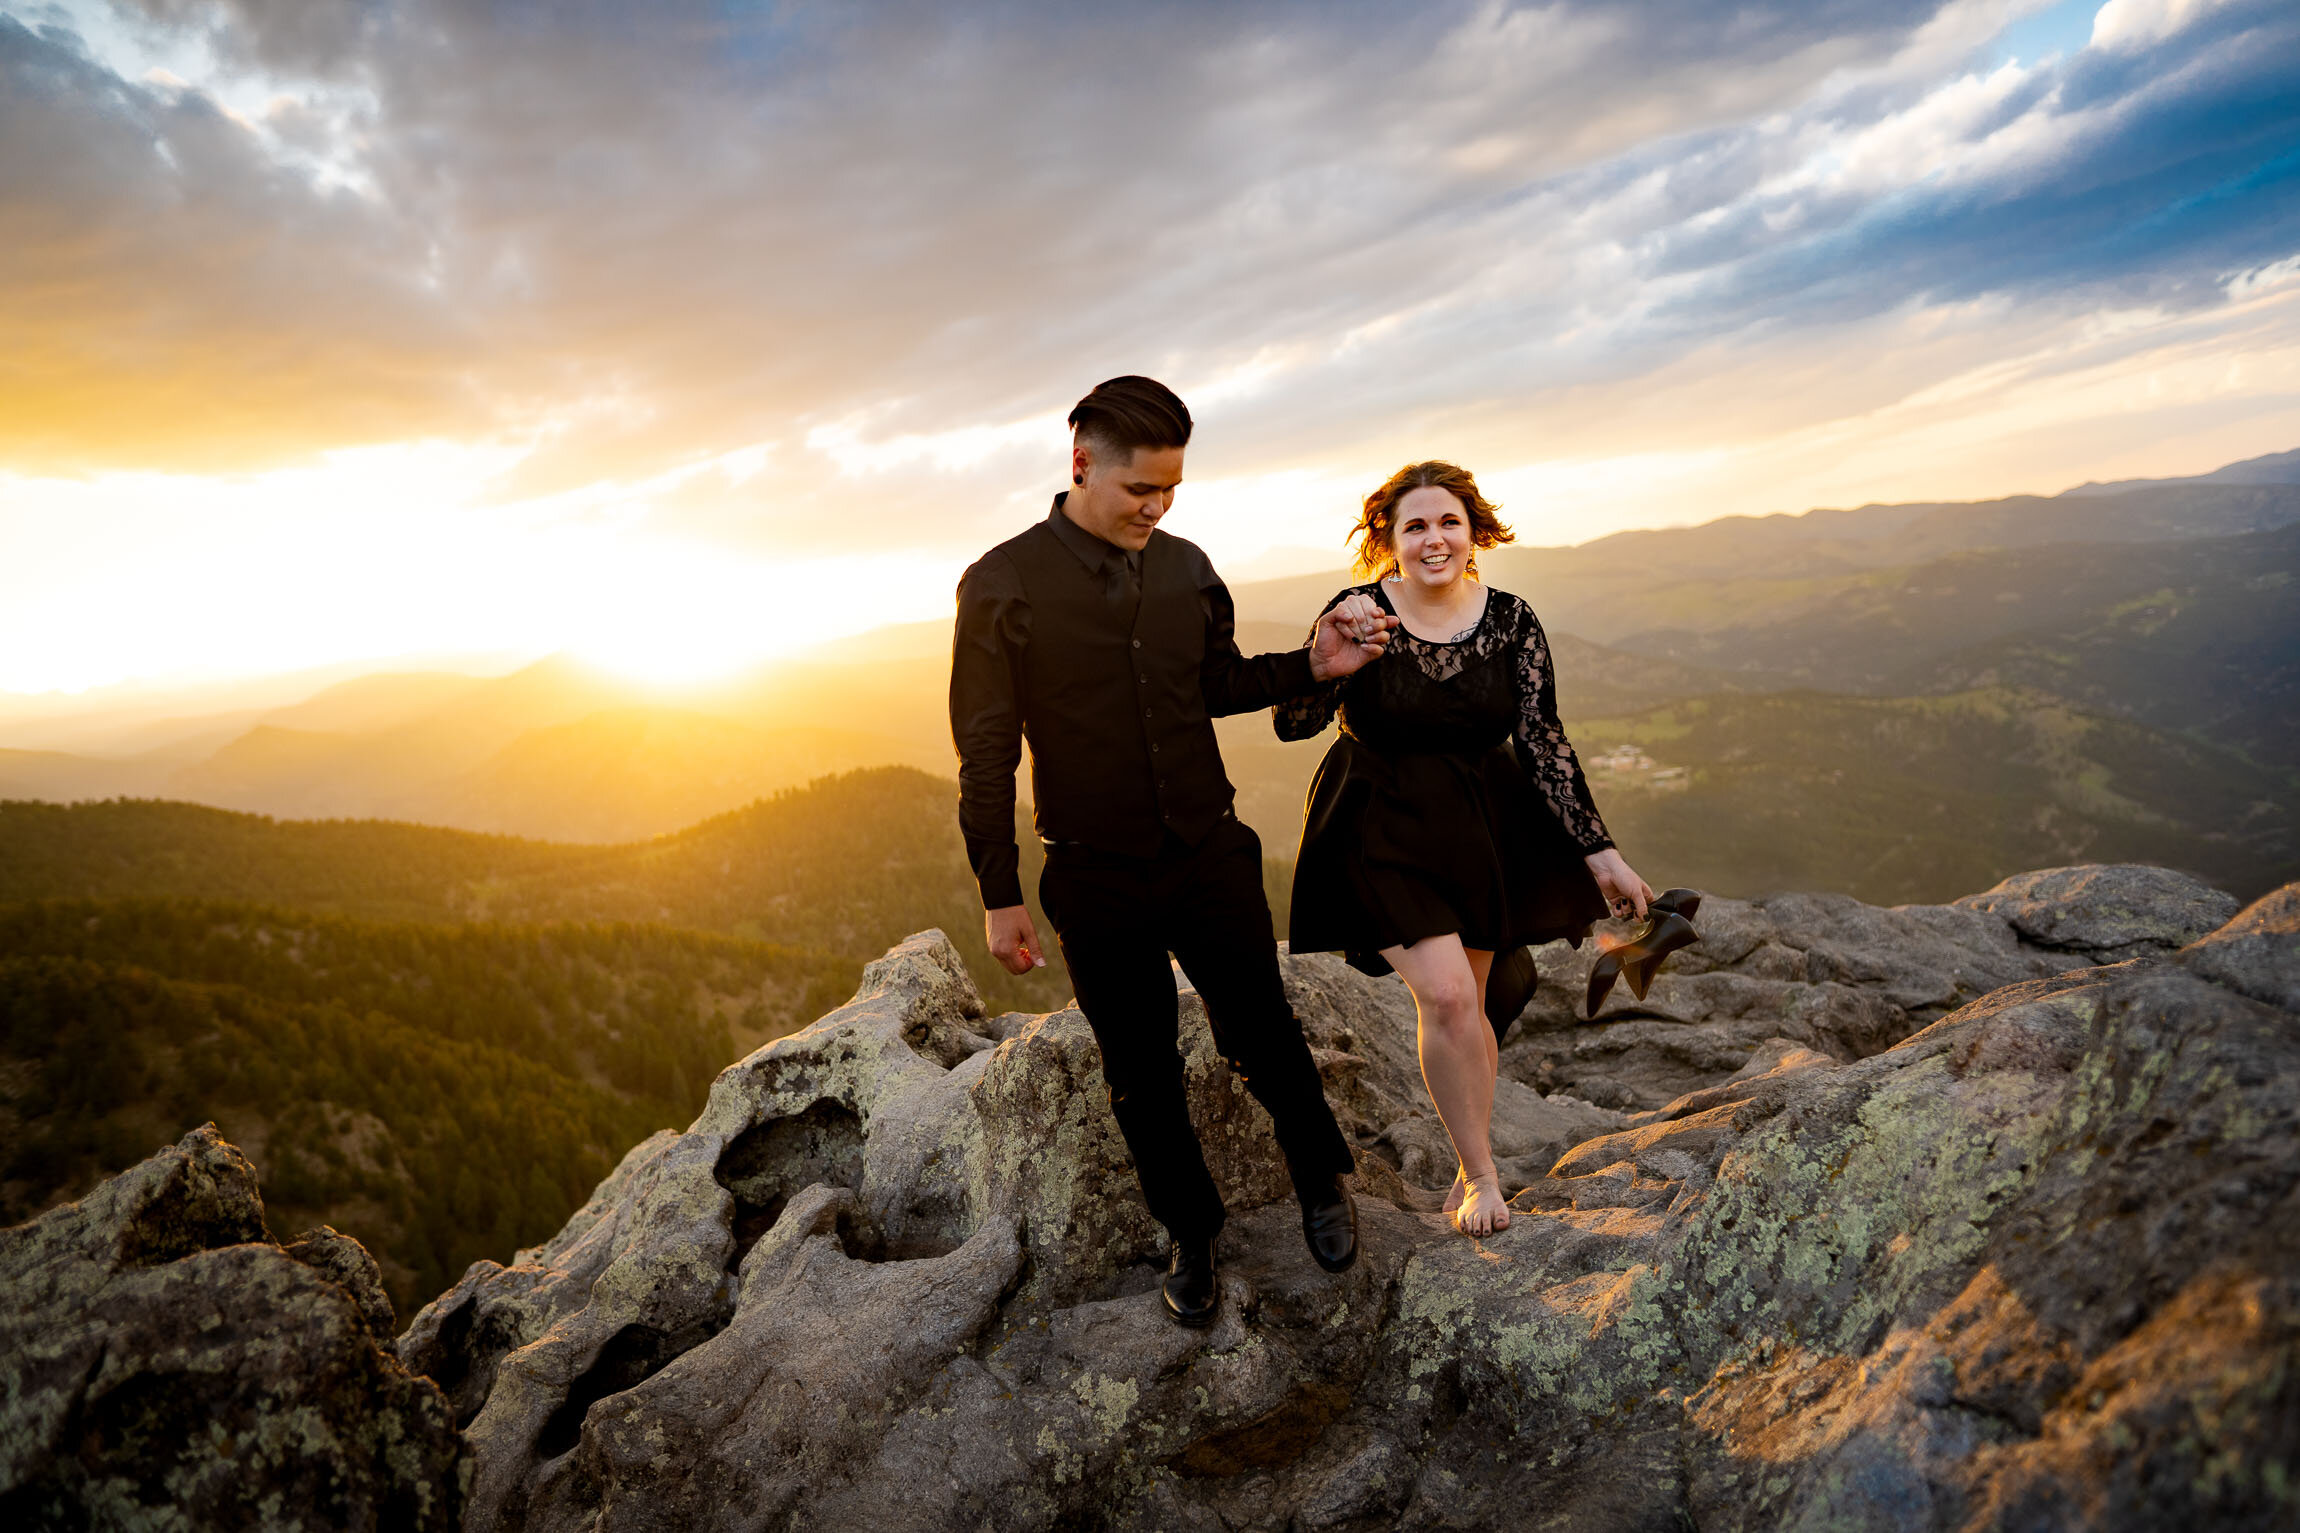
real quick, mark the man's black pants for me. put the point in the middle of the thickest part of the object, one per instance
(1117, 918)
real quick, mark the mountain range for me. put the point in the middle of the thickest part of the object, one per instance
(2165, 605)
(615, 893)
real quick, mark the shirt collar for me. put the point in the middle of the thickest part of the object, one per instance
(1091, 551)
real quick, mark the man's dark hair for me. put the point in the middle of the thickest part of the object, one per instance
(1125, 413)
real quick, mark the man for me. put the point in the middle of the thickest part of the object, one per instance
(1110, 646)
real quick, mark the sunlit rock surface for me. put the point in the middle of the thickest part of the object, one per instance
(164, 1365)
(1887, 1219)
(1827, 974)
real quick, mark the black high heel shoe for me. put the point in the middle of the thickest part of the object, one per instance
(1668, 927)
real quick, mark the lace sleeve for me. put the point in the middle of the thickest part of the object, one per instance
(1306, 716)
(1541, 739)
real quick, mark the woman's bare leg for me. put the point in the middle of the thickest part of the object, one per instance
(1481, 964)
(1457, 1055)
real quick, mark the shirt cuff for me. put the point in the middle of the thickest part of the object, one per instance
(996, 863)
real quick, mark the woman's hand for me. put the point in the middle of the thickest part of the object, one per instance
(1354, 631)
(1624, 891)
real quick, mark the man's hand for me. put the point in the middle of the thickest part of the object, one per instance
(1351, 635)
(1013, 940)
(1624, 891)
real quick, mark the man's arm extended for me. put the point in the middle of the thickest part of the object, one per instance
(986, 727)
(1349, 635)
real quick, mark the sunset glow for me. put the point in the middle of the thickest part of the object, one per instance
(587, 757)
(675, 352)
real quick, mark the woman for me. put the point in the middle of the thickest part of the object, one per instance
(1426, 846)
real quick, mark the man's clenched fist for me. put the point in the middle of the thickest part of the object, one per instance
(1013, 940)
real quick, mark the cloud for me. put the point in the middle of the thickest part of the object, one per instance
(874, 251)
(169, 293)
(2136, 23)
(699, 225)
(2093, 180)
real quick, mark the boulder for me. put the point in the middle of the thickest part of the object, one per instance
(1935, 1226)
(163, 1364)
(2258, 953)
(347, 1264)
(2106, 912)
(1829, 974)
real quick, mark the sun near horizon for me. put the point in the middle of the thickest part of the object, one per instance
(707, 343)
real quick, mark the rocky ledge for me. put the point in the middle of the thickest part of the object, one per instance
(1978, 1215)
(164, 1364)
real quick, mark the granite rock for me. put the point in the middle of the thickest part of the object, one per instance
(2106, 912)
(163, 1364)
(1936, 1226)
(1827, 973)
(2258, 953)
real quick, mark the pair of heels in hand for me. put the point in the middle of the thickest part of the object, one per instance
(1668, 926)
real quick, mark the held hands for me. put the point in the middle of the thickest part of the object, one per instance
(1013, 940)
(1351, 635)
(1624, 891)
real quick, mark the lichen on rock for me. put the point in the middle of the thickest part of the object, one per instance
(163, 1364)
(1938, 1217)
(1810, 1238)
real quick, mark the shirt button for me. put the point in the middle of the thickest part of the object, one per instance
(1153, 745)
(1137, 643)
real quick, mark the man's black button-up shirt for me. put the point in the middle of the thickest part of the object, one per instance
(1113, 667)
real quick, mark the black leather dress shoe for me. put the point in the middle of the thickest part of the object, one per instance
(1192, 1288)
(1330, 1224)
(1668, 926)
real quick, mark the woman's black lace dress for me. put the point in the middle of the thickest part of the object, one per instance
(1422, 819)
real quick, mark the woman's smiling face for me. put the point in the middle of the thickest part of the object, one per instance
(1431, 538)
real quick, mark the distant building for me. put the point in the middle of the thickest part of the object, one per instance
(1627, 765)
(1623, 759)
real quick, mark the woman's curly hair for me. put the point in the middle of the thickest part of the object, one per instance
(1373, 543)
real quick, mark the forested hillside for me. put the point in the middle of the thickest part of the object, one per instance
(374, 1009)
(846, 865)
(1867, 632)
(358, 867)
(850, 864)
(2207, 643)
(1913, 799)
(372, 1068)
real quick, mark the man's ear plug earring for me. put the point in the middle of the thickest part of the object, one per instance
(1077, 478)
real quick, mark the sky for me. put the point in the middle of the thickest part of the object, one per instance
(684, 335)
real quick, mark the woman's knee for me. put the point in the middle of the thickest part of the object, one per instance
(1449, 1000)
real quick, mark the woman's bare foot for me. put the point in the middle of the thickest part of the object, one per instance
(1455, 1193)
(1483, 1209)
